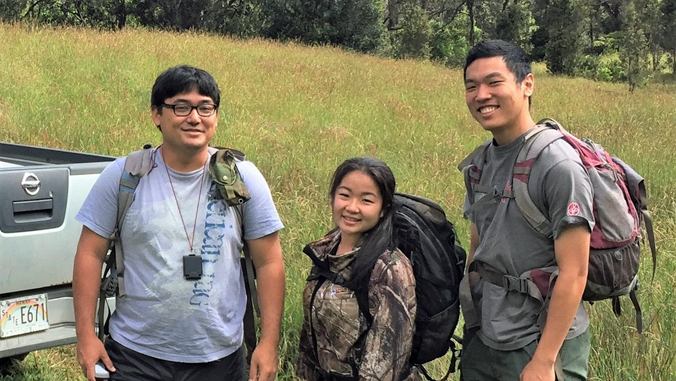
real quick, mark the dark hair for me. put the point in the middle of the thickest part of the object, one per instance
(517, 60)
(183, 79)
(381, 236)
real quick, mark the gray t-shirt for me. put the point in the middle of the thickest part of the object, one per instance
(561, 189)
(163, 315)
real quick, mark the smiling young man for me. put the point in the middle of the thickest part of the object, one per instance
(166, 326)
(510, 335)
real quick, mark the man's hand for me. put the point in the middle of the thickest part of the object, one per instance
(538, 371)
(572, 256)
(264, 363)
(91, 251)
(89, 352)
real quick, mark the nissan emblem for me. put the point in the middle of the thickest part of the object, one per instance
(30, 184)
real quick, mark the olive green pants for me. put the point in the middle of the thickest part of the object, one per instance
(482, 363)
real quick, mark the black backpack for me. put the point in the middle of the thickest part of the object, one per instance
(429, 240)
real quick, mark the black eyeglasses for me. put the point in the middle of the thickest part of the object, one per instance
(184, 109)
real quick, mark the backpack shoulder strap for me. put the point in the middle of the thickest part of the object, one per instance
(321, 271)
(227, 177)
(252, 305)
(230, 185)
(136, 165)
(471, 168)
(473, 164)
(541, 136)
(249, 270)
(479, 152)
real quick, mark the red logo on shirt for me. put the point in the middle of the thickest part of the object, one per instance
(573, 209)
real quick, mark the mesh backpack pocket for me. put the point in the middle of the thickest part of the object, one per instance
(612, 272)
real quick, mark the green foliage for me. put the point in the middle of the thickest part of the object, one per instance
(515, 23)
(538, 41)
(668, 10)
(608, 15)
(449, 44)
(613, 40)
(298, 111)
(438, 34)
(11, 10)
(649, 16)
(609, 43)
(178, 15)
(43, 366)
(672, 60)
(667, 31)
(558, 32)
(563, 21)
(602, 69)
(414, 38)
(108, 14)
(589, 68)
(354, 24)
(487, 14)
(242, 18)
(634, 49)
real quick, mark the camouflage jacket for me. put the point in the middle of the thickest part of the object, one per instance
(338, 323)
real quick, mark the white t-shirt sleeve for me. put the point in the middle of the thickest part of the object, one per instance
(99, 211)
(260, 214)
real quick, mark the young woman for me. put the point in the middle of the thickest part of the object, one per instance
(337, 341)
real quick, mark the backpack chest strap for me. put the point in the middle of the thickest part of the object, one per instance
(508, 282)
(525, 286)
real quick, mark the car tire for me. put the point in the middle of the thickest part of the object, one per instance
(7, 363)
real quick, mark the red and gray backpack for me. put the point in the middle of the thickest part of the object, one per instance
(620, 210)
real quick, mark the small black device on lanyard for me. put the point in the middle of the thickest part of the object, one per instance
(192, 264)
(192, 267)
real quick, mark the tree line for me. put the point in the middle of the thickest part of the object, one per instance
(612, 40)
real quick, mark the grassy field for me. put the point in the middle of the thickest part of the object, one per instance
(299, 111)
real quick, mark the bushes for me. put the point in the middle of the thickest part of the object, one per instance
(448, 44)
(602, 69)
(415, 37)
(444, 43)
(353, 24)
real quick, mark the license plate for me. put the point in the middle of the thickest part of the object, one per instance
(23, 315)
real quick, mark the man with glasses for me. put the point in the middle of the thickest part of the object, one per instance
(169, 326)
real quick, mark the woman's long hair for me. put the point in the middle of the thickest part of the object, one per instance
(381, 236)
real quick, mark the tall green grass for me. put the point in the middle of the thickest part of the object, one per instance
(299, 111)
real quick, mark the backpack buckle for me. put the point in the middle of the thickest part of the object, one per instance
(109, 285)
(512, 283)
